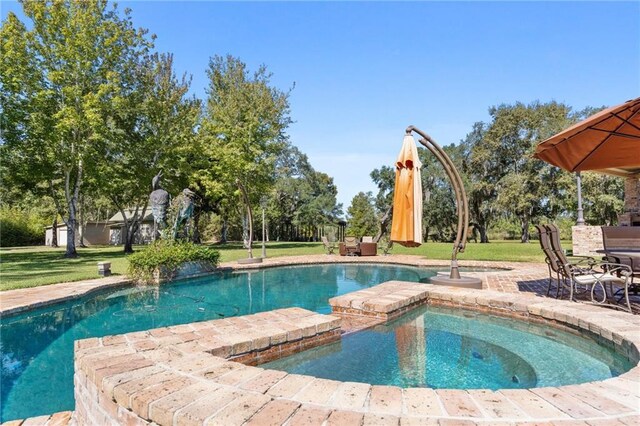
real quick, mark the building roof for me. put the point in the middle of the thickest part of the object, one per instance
(117, 218)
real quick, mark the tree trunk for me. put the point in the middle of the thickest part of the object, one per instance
(384, 224)
(249, 218)
(124, 237)
(54, 232)
(483, 234)
(81, 223)
(72, 203)
(223, 231)
(128, 241)
(130, 226)
(524, 226)
(71, 251)
(195, 236)
(130, 236)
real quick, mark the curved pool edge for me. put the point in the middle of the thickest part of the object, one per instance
(20, 300)
(207, 373)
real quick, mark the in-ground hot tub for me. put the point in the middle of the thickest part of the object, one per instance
(444, 348)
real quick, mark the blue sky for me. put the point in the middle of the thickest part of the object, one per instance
(364, 71)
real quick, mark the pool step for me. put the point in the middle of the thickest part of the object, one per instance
(385, 301)
(63, 418)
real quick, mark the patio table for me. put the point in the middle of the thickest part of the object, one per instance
(629, 257)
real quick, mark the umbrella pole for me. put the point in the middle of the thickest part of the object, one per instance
(462, 208)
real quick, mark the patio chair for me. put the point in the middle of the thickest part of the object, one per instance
(598, 274)
(556, 246)
(328, 246)
(555, 261)
(553, 264)
(612, 274)
(578, 264)
(351, 246)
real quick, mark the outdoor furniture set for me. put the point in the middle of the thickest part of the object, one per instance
(585, 274)
(353, 246)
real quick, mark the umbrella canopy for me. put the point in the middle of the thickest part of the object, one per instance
(406, 225)
(607, 142)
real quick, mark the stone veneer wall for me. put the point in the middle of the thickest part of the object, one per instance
(586, 240)
(631, 202)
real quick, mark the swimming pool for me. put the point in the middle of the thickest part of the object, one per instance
(37, 346)
(458, 349)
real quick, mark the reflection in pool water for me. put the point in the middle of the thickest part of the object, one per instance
(457, 349)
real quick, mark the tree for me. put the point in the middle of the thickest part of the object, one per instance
(61, 83)
(481, 169)
(603, 198)
(362, 216)
(439, 214)
(242, 133)
(384, 178)
(521, 182)
(301, 195)
(153, 129)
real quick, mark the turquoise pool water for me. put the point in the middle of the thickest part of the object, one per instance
(37, 347)
(456, 349)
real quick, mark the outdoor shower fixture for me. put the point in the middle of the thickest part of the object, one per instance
(462, 207)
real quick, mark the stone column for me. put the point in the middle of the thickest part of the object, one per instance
(631, 213)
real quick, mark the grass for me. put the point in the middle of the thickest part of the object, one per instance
(24, 267)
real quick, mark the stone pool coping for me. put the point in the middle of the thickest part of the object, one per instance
(190, 374)
(20, 300)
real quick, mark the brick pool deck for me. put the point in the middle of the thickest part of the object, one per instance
(179, 374)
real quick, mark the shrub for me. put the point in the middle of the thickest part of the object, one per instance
(20, 228)
(167, 256)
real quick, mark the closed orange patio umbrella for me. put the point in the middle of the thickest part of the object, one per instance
(406, 225)
(607, 142)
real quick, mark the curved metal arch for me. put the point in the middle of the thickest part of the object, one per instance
(462, 205)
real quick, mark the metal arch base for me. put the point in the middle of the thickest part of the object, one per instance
(464, 282)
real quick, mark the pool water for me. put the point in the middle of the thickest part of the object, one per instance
(457, 349)
(37, 346)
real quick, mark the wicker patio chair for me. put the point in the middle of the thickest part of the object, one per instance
(352, 245)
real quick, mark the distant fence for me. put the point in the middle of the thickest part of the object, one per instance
(306, 233)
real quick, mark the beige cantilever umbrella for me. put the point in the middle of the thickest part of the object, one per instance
(406, 225)
(607, 142)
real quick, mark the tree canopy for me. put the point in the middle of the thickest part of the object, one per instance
(507, 187)
(90, 112)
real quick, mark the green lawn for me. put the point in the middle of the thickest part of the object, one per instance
(34, 266)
